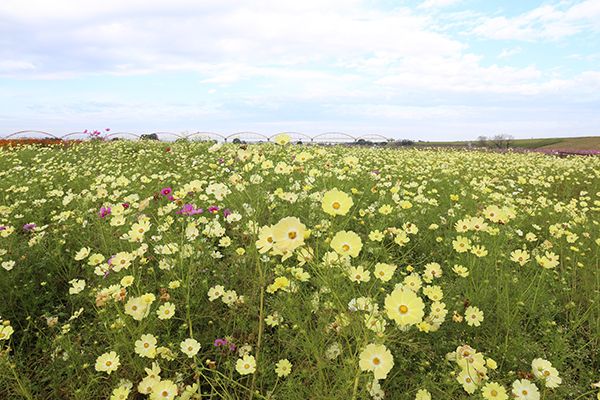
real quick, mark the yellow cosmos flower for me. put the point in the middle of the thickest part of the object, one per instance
(190, 347)
(288, 234)
(107, 362)
(146, 346)
(423, 394)
(6, 332)
(163, 390)
(283, 368)
(336, 202)
(346, 243)
(265, 239)
(520, 256)
(120, 393)
(461, 244)
(492, 391)
(473, 316)
(282, 139)
(246, 365)
(549, 260)
(384, 271)
(404, 307)
(378, 359)
(280, 283)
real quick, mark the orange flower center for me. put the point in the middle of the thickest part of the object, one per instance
(403, 309)
(292, 235)
(345, 247)
(376, 361)
(335, 205)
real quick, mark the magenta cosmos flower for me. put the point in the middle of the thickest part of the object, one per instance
(104, 211)
(29, 227)
(189, 209)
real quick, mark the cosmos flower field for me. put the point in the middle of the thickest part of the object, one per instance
(134, 270)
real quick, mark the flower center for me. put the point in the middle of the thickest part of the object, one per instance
(376, 361)
(165, 393)
(345, 247)
(335, 205)
(524, 392)
(494, 393)
(292, 235)
(403, 309)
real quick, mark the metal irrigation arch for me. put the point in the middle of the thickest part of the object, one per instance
(371, 136)
(209, 135)
(115, 134)
(343, 134)
(325, 137)
(239, 135)
(63, 137)
(40, 132)
(293, 134)
(177, 135)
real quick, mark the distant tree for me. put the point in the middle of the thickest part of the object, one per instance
(149, 136)
(482, 141)
(407, 142)
(502, 141)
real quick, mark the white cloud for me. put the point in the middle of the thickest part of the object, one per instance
(341, 64)
(438, 3)
(549, 21)
(506, 53)
(136, 36)
(12, 66)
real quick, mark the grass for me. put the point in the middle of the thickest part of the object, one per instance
(296, 297)
(577, 143)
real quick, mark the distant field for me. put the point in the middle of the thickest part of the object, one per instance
(578, 143)
(583, 143)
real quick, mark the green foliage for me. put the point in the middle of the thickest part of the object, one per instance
(545, 205)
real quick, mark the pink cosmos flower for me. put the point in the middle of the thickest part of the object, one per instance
(104, 211)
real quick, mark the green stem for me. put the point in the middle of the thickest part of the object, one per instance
(356, 380)
(22, 390)
(261, 327)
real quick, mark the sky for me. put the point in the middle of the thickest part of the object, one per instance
(414, 69)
